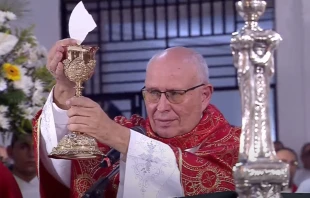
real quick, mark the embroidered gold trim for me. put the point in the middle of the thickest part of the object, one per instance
(180, 168)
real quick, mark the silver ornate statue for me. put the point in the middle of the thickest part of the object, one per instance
(258, 172)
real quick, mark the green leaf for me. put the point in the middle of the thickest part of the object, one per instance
(20, 60)
(21, 130)
(12, 97)
(26, 125)
(43, 74)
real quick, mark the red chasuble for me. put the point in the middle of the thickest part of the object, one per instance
(207, 170)
(8, 186)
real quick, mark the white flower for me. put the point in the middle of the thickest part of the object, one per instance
(25, 107)
(29, 111)
(6, 16)
(42, 51)
(3, 85)
(33, 60)
(3, 109)
(38, 85)
(35, 40)
(7, 42)
(37, 98)
(3, 17)
(4, 122)
(26, 48)
(10, 16)
(37, 57)
(25, 83)
(35, 110)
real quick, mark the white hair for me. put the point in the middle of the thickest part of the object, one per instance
(202, 66)
(194, 57)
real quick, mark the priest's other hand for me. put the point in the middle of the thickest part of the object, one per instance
(86, 116)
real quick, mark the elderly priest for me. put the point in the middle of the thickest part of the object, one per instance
(189, 147)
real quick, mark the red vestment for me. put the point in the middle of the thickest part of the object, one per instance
(8, 185)
(208, 170)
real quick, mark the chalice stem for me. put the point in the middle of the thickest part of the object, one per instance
(78, 93)
(78, 89)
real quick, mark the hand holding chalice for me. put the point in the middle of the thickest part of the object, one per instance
(79, 64)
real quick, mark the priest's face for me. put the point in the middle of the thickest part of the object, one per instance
(175, 112)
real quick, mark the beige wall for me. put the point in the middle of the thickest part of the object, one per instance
(293, 72)
(46, 16)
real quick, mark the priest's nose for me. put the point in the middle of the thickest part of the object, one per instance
(163, 104)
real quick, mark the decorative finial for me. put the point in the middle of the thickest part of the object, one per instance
(251, 10)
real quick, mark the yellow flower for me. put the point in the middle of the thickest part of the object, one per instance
(11, 72)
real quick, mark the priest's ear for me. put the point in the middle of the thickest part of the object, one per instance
(207, 91)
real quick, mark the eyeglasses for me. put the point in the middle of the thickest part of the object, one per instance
(173, 96)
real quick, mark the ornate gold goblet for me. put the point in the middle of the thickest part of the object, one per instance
(79, 65)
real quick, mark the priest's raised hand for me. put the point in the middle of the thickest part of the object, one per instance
(86, 116)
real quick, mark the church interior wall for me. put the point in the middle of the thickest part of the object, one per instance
(291, 21)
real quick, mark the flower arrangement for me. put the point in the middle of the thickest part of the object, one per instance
(24, 80)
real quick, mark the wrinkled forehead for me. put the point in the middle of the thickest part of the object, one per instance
(172, 71)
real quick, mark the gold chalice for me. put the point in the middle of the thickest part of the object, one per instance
(79, 65)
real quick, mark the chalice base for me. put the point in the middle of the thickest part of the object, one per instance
(76, 146)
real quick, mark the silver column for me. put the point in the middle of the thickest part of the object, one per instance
(258, 173)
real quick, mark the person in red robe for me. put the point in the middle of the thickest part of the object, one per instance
(8, 185)
(189, 147)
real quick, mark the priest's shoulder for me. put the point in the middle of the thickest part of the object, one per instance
(134, 120)
(236, 129)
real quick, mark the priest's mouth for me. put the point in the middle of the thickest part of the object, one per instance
(164, 122)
